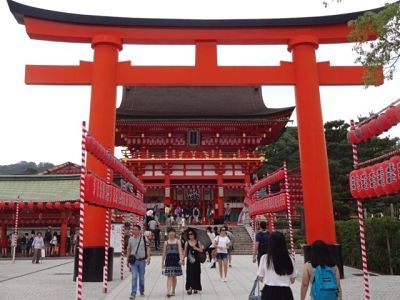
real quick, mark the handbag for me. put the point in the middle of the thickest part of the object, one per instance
(255, 291)
(132, 258)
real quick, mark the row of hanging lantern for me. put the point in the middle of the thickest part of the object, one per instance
(39, 205)
(108, 159)
(375, 126)
(377, 180)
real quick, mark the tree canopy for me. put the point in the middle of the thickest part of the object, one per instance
(385, 50)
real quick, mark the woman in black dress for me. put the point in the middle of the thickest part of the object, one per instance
(193, 267)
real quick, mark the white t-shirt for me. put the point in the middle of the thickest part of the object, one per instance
(222, 244)
(269, 275)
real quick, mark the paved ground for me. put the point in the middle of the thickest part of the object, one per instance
(53, 280)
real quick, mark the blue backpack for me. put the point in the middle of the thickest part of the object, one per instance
(324, 286)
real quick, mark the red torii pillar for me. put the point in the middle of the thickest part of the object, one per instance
(313, 155)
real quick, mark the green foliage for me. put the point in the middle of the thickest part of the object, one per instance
(383, 244)
(24, 168)
(342, 210)
(385, 50)
(285, 148)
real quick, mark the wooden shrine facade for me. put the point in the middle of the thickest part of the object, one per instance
(199, 153)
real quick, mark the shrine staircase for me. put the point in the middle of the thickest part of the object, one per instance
(243, 242)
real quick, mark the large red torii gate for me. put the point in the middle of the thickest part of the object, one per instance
(107, 35)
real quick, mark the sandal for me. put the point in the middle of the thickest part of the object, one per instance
(189, 292)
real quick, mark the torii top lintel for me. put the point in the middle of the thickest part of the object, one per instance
(205, 34)
(58, 26)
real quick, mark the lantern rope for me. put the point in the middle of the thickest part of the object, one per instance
(79, 285)
(122, 247)
(106, 240)
(375, 159)
(15, 237)
(289, 210)
(373, 116)
(361, 225)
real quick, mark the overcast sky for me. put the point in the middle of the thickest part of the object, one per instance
(42, 123)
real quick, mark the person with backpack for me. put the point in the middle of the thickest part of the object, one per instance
(138, 256)
(193, 252)
(276, 269)
(261, 245)
(322, 273)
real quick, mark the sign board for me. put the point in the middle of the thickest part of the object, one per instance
(115, 237)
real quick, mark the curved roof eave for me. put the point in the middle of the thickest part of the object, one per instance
(20, 11)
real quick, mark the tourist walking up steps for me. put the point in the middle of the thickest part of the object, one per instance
(193, 268)
(322, 273)
(210, 249)
(138, 255)
(276, 270)
(172, 261)
(222, 243)
(261, 245)
(37, 246)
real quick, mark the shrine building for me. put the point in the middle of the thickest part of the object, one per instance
(196, 145)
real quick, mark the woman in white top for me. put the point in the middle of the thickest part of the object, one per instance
(276, 269)
(222, 243)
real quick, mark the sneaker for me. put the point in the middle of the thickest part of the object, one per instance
(132, 297)
(142, 295)
(222, 280)
(225, 279)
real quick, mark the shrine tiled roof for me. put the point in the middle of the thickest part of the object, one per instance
(220, 102)
(39, 188)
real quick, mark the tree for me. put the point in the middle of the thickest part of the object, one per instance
(285, 148)
(385, 50)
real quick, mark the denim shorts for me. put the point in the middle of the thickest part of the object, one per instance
(222, 256)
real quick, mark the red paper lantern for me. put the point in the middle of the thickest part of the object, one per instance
(371, 180)
(11, 205)
(383, 123)
(366, 133)
(395, 184)
(2, 204)
(49, 205)
(30, 205)
(391, 115)
(373, 129)
(353, 183)
(40, 205)
(57, 205)
(76, 205)
(396, 159)
(21, 205)
(67, 205)
(351, 136)
(380, 179)
(363, 183)
(397, 111)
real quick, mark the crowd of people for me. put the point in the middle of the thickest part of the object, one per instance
(189, 215)
(25, 243)
(184, 251)
(180, 249)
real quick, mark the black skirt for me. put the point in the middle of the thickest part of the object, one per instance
(277, 293)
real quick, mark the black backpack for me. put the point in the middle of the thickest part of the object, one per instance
(263, 243)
